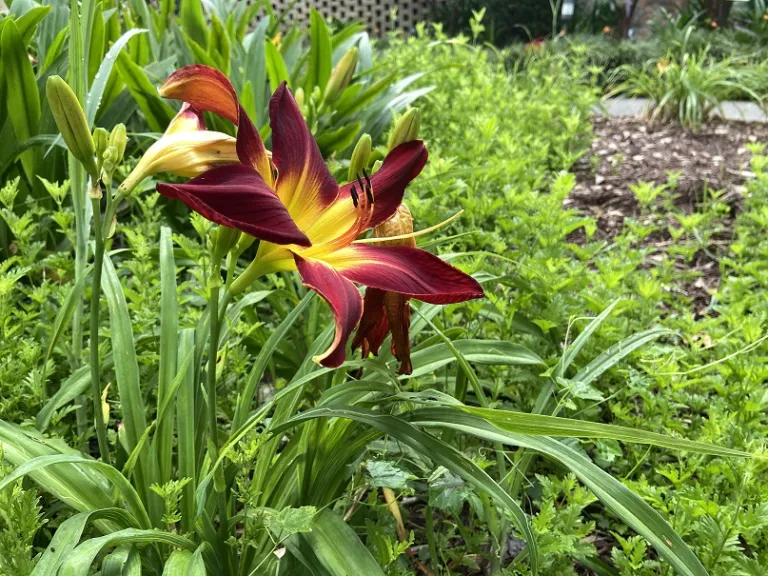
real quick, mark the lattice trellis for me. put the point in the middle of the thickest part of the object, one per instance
(376, 14)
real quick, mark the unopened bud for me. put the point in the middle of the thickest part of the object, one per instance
(71, 122)
(360, 157)
(299, 97)
(224, 240)
(100, 141)
(119, 139)
(316, 95)
(406, 129)
(109, 160)
(342, 75)
(243, 243)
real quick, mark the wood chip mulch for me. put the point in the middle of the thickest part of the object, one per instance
(629, 150)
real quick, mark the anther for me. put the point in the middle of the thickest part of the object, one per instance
(360, 183)
(355, 197)
(368, 188)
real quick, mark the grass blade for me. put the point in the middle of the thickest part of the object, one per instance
(169, 331)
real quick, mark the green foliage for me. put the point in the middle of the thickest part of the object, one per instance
(581, 406)
(690, 89)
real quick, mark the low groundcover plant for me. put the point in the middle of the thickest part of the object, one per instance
(260, 496)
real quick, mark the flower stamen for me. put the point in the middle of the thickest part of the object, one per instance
(410, 235)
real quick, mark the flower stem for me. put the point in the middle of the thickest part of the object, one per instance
(98, 258)
(213, 428)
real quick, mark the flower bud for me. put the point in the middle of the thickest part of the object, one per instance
(100, 141)
(316, 95)
(186, 154)
(71, 122)
(400, 224)
(299, 97)
(341, 75)
(119, 139)
(109, 160)
(406, 129)
(243, 243)
(360, 157)
(224, 239)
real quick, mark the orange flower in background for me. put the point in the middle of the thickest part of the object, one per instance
(607, 30)
(713, 24)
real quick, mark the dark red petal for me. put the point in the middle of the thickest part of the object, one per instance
(399, 317)
(400, 166)
(251, 150)
(237, 197)
(344, 299)
(374, 325)
(205, 88)
(303, 177)
(409, 271)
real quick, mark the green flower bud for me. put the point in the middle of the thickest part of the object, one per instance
(71, 121)
(316, 95)
(341, 75)
(119, 139)
(243, 243)
(360, 157)
(100, 142)
(109, 160)
(299, 96)
(406, 129)
(224, 239)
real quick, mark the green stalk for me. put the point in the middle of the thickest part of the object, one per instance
(98, 259)
(78, 81)
(214, 322)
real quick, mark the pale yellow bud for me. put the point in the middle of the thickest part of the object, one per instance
(400, 224)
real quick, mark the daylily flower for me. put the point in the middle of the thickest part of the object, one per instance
(186, 148)
(331, 216)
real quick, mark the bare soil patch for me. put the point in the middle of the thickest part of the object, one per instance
(626, 151)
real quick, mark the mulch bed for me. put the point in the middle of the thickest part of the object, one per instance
(628, 150)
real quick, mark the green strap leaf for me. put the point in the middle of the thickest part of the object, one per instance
(544, 425)
(156, 111)
(96, 93)
(438, 451)
(334, 547)
(127, 491)
(319, 53)
(80, 559)
(491, 352)
(69, 533)
(630, 507)
(126, 371)
(185, 563)
(169, 332)
(23, 99)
